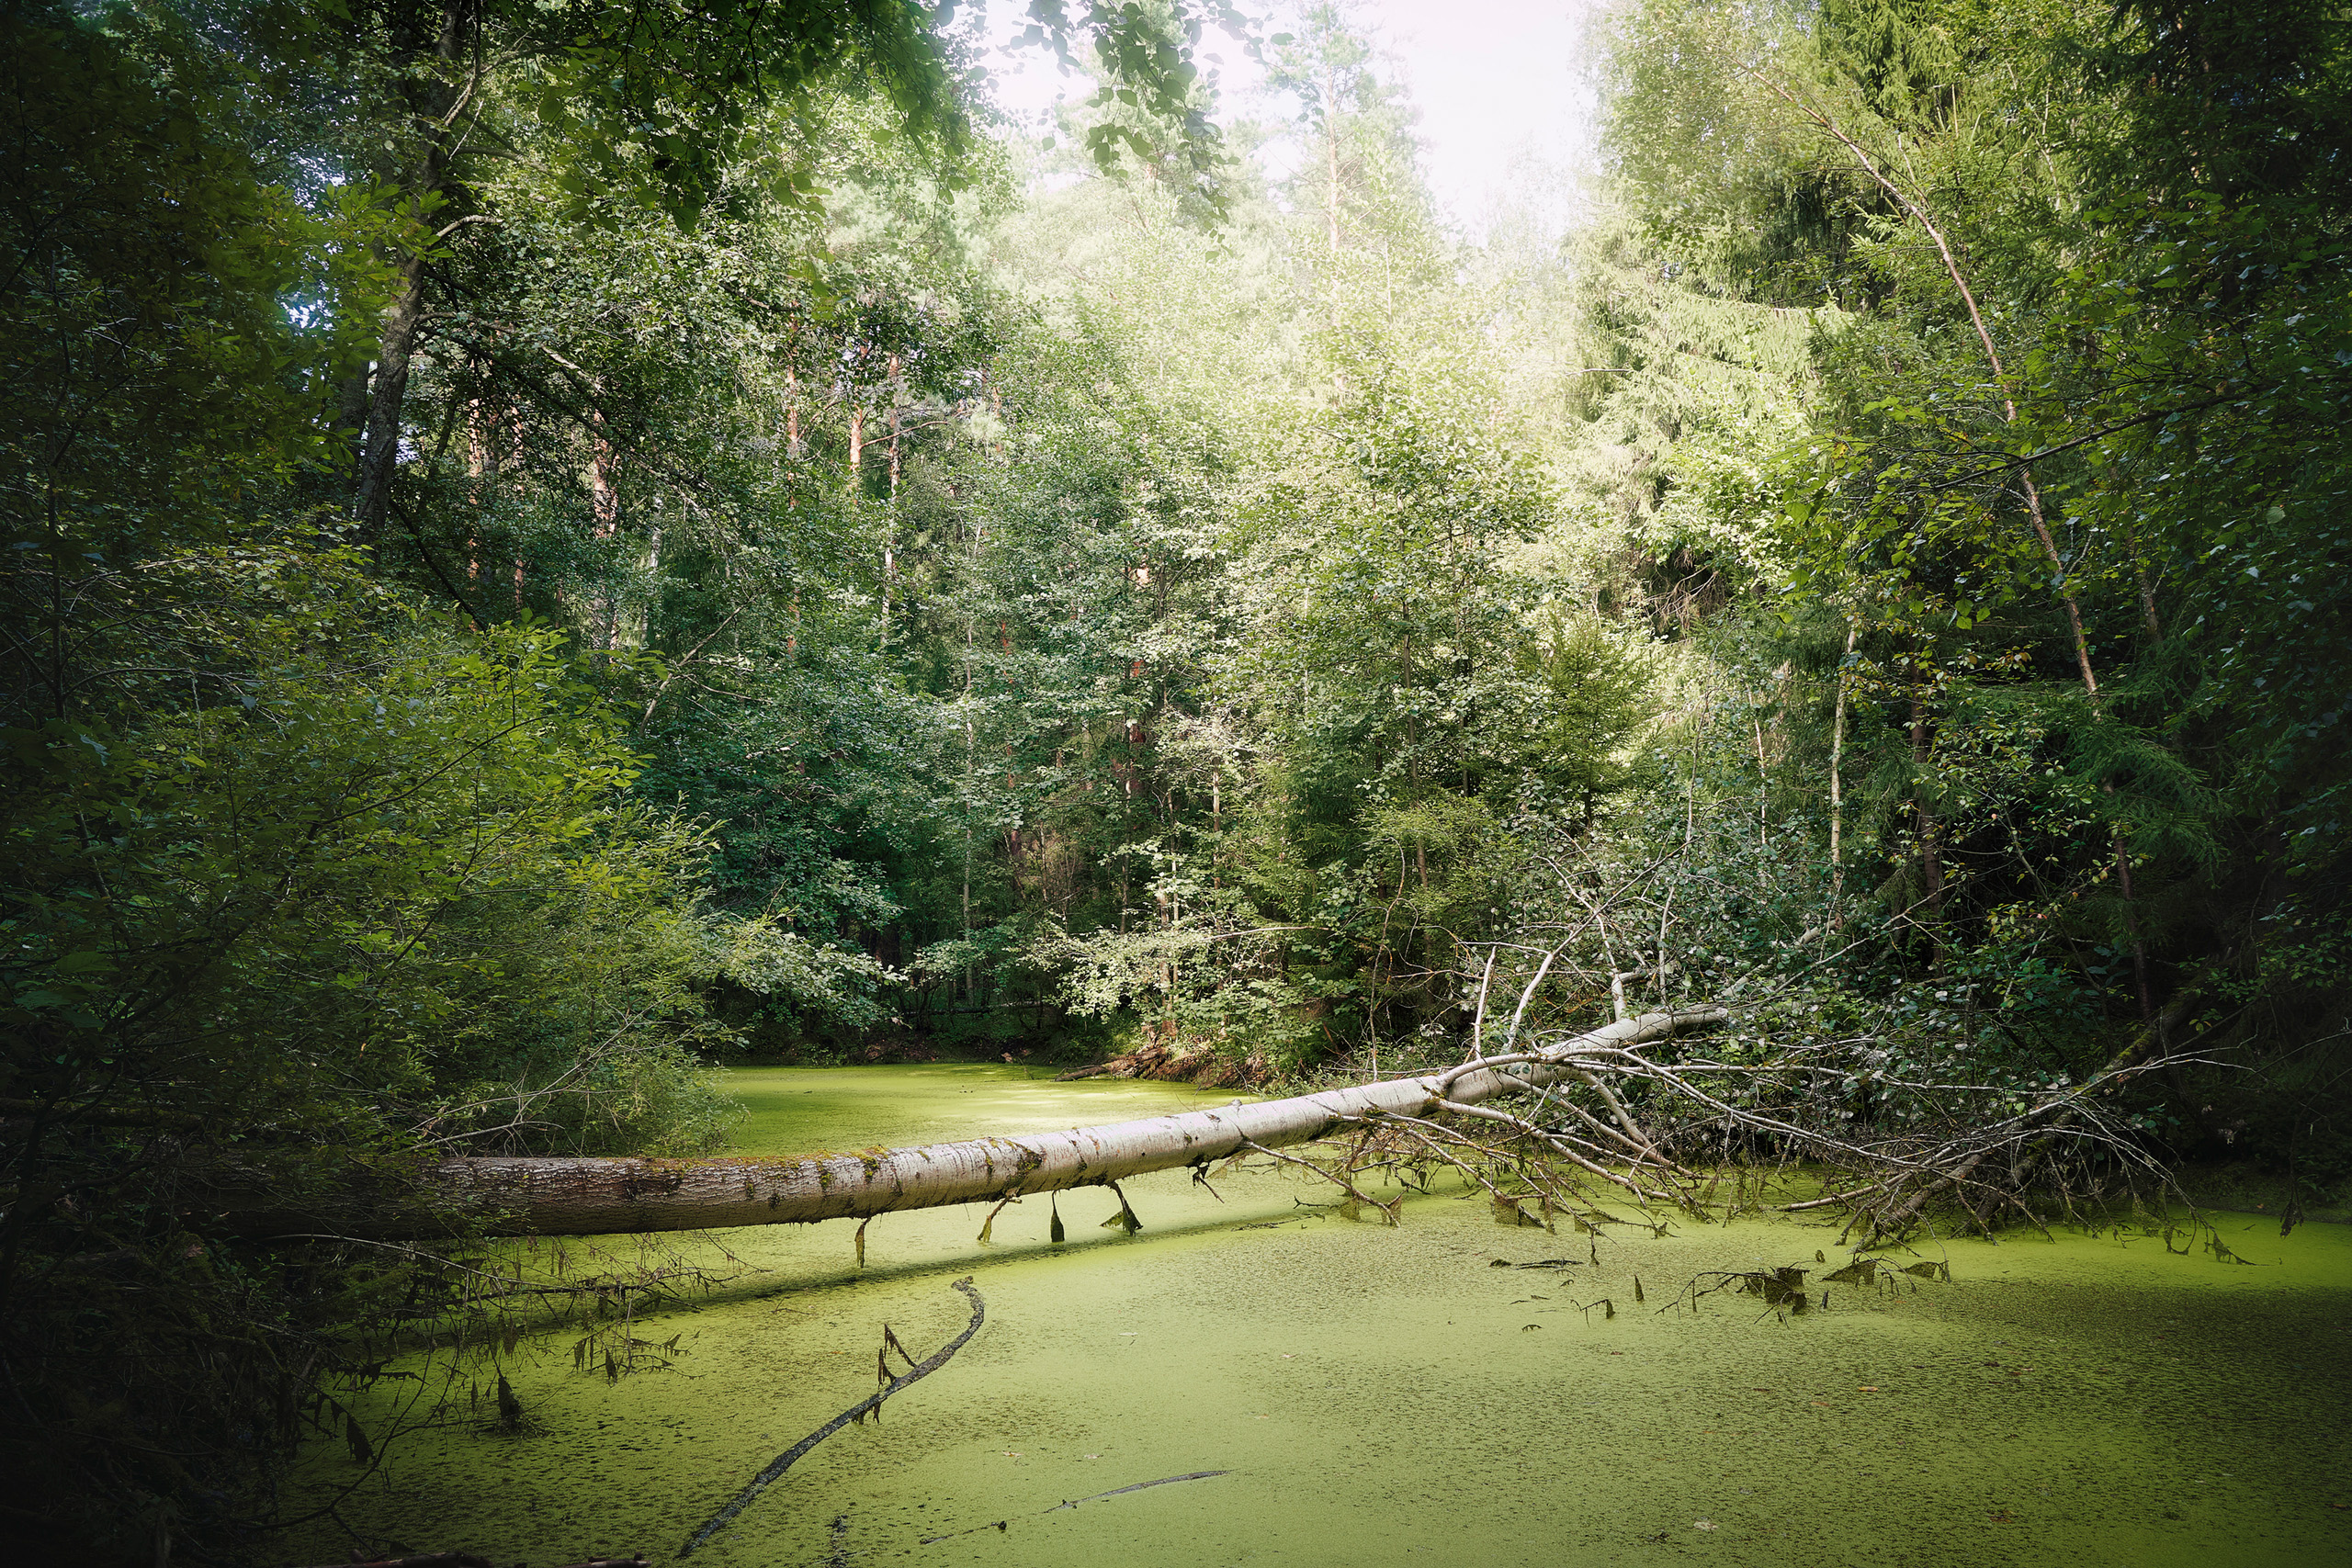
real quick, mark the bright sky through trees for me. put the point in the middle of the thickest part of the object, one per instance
(1499, 84)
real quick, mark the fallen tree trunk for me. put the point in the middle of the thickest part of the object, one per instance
(564, 1196)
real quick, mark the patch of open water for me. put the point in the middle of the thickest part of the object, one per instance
(1377, 1395)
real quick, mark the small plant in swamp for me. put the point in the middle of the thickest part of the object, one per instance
(437, 1350)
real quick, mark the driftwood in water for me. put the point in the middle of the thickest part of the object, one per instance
(564, 1196)
(871, 1404)
(1000, 1525)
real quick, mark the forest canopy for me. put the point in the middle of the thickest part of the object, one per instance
(553, 548)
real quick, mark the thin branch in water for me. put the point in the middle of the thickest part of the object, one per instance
(775, 1467)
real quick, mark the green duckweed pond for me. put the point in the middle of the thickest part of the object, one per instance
(1371, 1394)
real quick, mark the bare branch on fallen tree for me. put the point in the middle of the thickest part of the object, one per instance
(566, 1196)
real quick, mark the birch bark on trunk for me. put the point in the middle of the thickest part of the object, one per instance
(562, 1196)
(604, 520)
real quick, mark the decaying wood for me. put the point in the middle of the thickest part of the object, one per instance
(1170, 1061)
(872, 1404)
(588, 1197)
(999, 1525)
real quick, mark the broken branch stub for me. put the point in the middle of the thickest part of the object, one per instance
(567, 1196)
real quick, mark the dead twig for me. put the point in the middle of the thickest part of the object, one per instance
(873, 1402)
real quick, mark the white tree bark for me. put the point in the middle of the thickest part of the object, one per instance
(565, 1196)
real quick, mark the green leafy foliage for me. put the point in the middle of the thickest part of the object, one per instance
(548, 545)
(2063, 495)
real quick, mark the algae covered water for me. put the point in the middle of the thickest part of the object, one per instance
(1344, 1393)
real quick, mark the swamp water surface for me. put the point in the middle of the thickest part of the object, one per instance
(1376, 1395)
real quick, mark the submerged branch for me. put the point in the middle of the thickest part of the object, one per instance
(858, 1412)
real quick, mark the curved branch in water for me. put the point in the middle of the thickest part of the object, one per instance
(784, 1460)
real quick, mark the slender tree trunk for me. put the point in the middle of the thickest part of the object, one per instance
(379, 443)
(1331, 182)
(894, 427)
(2132, 930)
(1924, 818)
(1331, 156)
(642, 626)
(1763, 784)
(430, 97)
(351, 419)
(605, 515)
(2148, 618)
(2031, 494)
(1216, 827)
(1838, 788)
(969, 773)
(2028, 489)
(479, 459)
